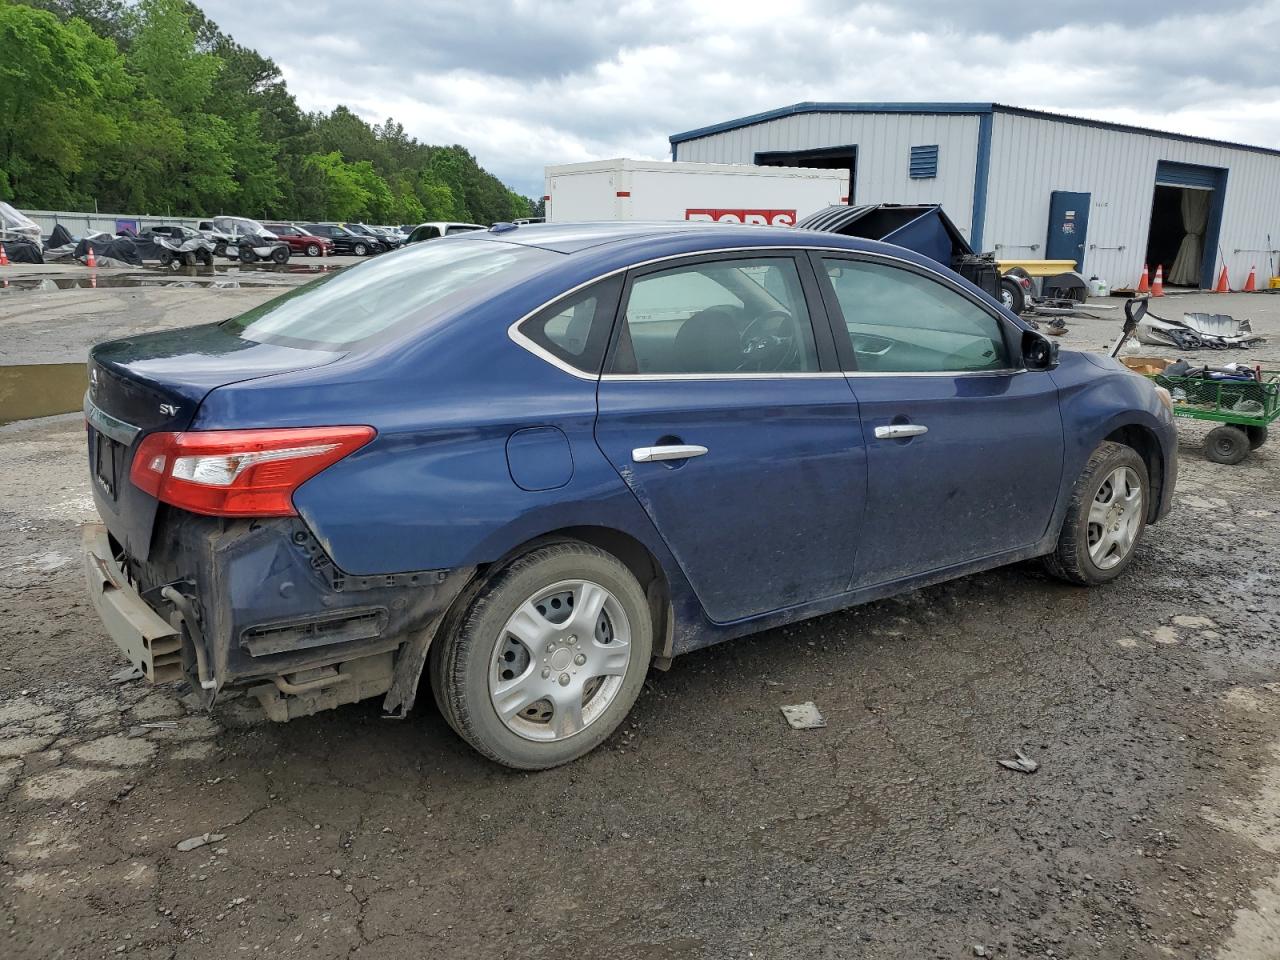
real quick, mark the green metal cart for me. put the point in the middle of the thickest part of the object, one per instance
(1243, 409)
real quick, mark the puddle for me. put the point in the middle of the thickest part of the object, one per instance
(235, 278)
(41, 390)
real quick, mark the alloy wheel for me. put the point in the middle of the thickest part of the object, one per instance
(1115, 517)
(560, 660)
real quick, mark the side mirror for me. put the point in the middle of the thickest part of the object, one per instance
(1038, 352)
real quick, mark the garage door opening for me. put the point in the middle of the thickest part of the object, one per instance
(831, 158)
(1186, 216)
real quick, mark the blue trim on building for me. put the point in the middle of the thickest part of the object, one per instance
(981, 174)
(809, 106)
(941, 109)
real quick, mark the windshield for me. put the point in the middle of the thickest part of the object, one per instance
(401, 289)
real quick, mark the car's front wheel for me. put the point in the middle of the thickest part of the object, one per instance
(548, 659)
(1105, 519)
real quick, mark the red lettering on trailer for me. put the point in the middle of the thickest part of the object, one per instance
(624, 193)
(769, 218)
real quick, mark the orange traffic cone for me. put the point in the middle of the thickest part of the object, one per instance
(1157, 288)
(1144, 285)
(1251, 285)
(91, 262)
(4, 257)
(1223, 285)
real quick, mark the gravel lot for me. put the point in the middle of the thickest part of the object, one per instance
(706, 827)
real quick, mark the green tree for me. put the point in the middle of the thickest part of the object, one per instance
(339, 193)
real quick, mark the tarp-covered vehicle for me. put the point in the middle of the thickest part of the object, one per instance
(243, 239)
(20, 236)
(175, 246)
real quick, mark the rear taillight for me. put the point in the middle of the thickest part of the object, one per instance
(239, 473)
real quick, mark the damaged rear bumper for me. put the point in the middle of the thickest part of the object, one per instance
(151, 643)
(261, 605)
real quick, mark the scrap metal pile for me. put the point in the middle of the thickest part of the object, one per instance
(1213, 331)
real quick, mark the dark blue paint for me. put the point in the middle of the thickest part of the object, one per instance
(792, 513)
(981, 175)
(939, 499)
(1068, 226)
(744, 520)
(539, 458)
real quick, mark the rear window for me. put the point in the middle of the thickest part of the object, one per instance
(397, 291)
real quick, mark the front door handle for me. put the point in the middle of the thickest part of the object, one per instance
(899, 431)
(671, 451)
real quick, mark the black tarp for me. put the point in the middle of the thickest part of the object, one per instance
(117, 248)
(22, 251)
(60, 237)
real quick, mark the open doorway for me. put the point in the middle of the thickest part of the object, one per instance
(829, 158)
(1186, 216)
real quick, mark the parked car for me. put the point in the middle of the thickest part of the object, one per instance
(243, 239)
(392, 235)
(301, 241)
(344, 241)
(533, 461)
(381, 243)
(439, 228)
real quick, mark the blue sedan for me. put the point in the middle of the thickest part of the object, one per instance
(531, 462)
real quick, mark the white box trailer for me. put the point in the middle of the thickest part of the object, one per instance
(659, 190)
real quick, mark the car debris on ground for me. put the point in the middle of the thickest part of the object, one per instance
(803, 716)
(1021, 763)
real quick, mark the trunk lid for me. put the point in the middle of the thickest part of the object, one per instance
(156, 381)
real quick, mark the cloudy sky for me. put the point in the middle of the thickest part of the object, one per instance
(525, 83)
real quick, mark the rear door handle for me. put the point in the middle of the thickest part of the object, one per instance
(898, 431)
(672, 451)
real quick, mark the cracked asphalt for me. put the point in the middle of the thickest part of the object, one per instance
(706, 827)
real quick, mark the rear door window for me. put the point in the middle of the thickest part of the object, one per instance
(746, 316)
(899, 321)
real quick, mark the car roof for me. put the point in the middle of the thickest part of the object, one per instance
(575, 237)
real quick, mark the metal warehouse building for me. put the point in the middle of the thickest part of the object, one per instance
(1033, 185)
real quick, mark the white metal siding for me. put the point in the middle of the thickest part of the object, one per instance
(884, 144)
(1031, 157)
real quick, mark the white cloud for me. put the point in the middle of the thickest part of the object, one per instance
(528, 83)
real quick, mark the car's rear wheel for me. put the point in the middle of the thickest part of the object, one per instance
(313, 249)
(548, 658)
(247, 255)
(1105, 519)
(280, 255)
(359, 249)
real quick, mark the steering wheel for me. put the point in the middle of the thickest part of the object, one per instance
(769, 343)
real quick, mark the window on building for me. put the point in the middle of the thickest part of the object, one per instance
(924, 162)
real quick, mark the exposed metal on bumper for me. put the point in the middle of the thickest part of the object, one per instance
(150, 642)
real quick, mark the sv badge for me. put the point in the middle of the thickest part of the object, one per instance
(168, 410)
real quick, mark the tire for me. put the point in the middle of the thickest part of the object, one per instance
(471, 661)
(1104, 523)
(359, 249)
(1012, 296)
(1257, 436)
(220, 249)
(205, 257)
(247, 255)
(280, 255)
(166, 258)
(312, 250)
(1227, 444)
